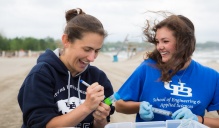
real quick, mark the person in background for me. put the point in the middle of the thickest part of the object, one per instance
(170, 79)
(52, 95)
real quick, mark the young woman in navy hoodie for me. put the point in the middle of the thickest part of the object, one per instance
(52, 94)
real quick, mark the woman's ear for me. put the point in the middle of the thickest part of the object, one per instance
(65, 40)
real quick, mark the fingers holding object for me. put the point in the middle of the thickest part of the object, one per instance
(96, 91)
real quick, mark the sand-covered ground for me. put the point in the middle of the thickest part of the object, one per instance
(14, 70)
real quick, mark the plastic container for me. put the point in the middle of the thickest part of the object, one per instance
(155, 124)
(152, 124)
(158, 124)
(186, 124)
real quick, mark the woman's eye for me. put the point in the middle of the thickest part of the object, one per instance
(165, 41)
(87, 50)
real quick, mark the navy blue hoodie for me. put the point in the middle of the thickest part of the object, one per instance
(45, 92)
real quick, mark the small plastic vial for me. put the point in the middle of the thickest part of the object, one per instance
(161, 111)
(113, 98)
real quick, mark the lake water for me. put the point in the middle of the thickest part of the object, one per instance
(201, 56)
(206, 56)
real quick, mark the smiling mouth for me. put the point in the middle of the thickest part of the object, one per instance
(84, 63)
(163, 53)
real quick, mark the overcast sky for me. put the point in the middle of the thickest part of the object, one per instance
(43, 18)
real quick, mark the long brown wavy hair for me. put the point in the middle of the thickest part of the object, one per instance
(184, 32)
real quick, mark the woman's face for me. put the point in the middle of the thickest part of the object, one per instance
(166, 43)
(80, 53)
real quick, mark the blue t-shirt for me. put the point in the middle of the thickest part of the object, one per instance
(198, 90)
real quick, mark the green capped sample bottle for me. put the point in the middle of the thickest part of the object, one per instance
(113, 98)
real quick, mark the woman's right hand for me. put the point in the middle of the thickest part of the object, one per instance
(95, 95)
(145, 111)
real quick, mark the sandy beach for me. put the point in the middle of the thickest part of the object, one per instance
(14, 70)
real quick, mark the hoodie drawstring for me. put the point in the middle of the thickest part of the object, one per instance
(69, 78)
(79, 96)
(69, 92)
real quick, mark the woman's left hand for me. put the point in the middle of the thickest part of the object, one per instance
(184, 113)
(101, 113)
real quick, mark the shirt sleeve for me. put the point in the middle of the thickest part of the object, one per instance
(36, 100)
(214, 105)
(108, 91)
(131, 89)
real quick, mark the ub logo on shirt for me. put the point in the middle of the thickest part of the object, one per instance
(85, 125)
(65, 108)
(71, 106)
(178, 90)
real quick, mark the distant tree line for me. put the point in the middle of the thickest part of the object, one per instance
(209, 45)
(34, 44)
(115, 46)
(27, 43)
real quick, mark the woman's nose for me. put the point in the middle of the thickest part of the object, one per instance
(92, 56)
(160, 46)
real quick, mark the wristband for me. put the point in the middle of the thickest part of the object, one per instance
(202, 119)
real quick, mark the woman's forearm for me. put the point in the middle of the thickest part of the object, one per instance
(70, 119)
(211, 122)
(127, 107)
